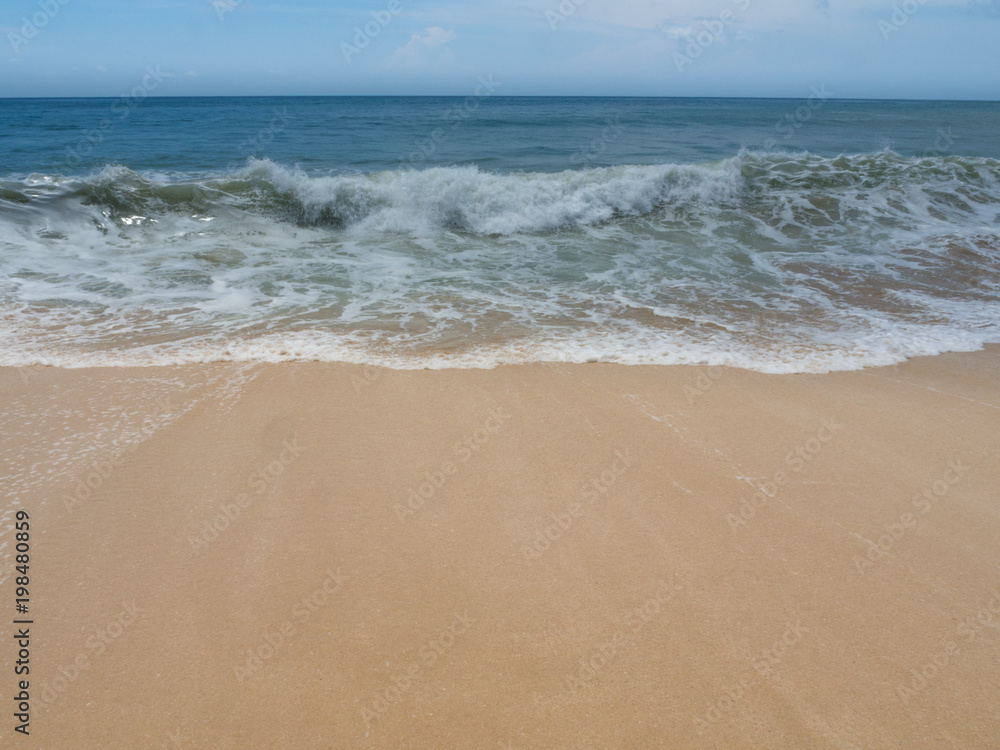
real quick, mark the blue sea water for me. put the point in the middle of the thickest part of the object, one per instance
(778, 235)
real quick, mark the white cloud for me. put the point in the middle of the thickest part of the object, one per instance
(435, 37)
(752, 15)
(678, 32)
(427, 50)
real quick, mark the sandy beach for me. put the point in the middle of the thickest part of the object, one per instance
(537, 556)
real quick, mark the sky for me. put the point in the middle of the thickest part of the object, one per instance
(914, 49)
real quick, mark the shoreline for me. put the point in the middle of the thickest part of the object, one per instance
(547, 555)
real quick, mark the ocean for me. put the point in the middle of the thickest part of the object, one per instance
(777, 235)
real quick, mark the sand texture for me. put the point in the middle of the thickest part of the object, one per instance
(545, 556)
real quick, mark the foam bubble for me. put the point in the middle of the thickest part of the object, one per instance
(775, 262)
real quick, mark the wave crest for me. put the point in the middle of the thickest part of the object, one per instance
(766, 187)
(466, 199)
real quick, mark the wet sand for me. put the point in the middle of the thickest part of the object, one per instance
(546, 556)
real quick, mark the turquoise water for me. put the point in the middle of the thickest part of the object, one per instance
(779, 235)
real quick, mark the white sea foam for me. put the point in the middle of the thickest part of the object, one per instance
(774, 262)
(469, 200)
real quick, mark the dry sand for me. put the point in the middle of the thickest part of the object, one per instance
(235, 556)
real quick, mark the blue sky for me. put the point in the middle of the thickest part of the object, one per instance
(934, 49)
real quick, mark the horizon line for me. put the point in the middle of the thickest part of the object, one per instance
(498, 96)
